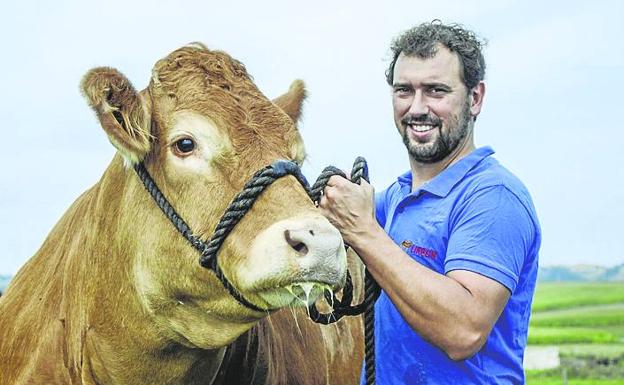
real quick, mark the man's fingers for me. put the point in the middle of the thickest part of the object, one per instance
(328, 193)
(325, 211)
(335, 180)
(367, 186)
(323, 202)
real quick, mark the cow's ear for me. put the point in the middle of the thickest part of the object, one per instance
(122, 112)
(292, 101)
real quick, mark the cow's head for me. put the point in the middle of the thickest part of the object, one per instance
(202, 128)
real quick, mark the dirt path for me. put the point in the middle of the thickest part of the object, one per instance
(541, 357)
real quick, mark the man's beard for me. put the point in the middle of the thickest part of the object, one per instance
(457, 128)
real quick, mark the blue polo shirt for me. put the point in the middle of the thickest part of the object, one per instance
(476, 216)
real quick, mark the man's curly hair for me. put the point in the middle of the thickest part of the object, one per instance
(423, 41)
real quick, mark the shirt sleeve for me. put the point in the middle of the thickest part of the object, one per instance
(491, 234)
(380, 208)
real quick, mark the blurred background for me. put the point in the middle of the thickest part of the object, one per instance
(555, 85)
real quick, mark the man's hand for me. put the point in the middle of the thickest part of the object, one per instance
(455, 312)
(350, 207)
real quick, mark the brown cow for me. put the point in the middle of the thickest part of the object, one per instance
(116, 295)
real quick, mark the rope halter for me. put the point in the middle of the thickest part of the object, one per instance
(240, 205)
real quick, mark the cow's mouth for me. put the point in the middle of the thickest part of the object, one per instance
(294, 294)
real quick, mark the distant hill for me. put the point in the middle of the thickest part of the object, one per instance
(582, 273)
(4, 281)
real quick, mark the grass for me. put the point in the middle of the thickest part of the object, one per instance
(572, 381)
(559, 295)
(573, 320)
(608, 351)
(601, 315)
(568, 335)
(586, 322)
(590, 370)
(616, 330)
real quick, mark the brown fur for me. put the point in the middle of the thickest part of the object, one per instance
(115, 295)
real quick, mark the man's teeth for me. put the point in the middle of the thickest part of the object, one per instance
(421, 127)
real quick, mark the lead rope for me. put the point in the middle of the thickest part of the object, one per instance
(235, 212)
(342, 306)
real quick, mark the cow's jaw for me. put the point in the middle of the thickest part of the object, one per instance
(292, 262)
(302, 293)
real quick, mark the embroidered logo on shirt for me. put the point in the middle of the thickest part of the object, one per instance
(411, 248)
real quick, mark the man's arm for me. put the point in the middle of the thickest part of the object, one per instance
(455, 312)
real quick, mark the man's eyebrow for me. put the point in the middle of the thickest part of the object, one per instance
(401, 84)
(437, 85)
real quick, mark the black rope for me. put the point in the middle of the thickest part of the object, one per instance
(342, 307)
(167, 209)
(234, 213)
(243, 202)
(237, 209)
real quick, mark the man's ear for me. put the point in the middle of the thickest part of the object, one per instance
(292, 101)
(123, 113)
(476, 99)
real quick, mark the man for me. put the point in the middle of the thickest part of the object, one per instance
(454, 242)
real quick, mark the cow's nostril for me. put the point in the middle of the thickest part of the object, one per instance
(301, 248)
(296, 244)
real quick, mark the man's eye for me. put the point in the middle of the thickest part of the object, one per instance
(437, 90)
(184, 146)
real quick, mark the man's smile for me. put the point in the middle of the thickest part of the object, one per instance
(421, 127)
(421, 132)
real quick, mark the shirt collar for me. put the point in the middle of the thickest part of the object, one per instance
(442, 183)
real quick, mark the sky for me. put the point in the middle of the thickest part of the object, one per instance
(552, 110)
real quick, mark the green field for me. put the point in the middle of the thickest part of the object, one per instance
(609, 351)
(564, 295)
(568, 335)
(582, 324)
(586, 322)
(601, 315)
(556, 380)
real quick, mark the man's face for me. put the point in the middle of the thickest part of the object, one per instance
(432, 107)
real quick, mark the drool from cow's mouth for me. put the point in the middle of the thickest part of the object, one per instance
(295, 294)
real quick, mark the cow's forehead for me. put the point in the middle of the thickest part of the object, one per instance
(193, 65)
(216, 85)
(214, 82)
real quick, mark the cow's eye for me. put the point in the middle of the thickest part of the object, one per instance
(184, 146)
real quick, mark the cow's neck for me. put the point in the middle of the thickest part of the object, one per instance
(135, 336)
(82, 304)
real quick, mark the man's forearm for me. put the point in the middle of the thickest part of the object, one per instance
(438, 307)
(455, 312)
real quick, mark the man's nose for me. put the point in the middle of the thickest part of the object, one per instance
(419, 105)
